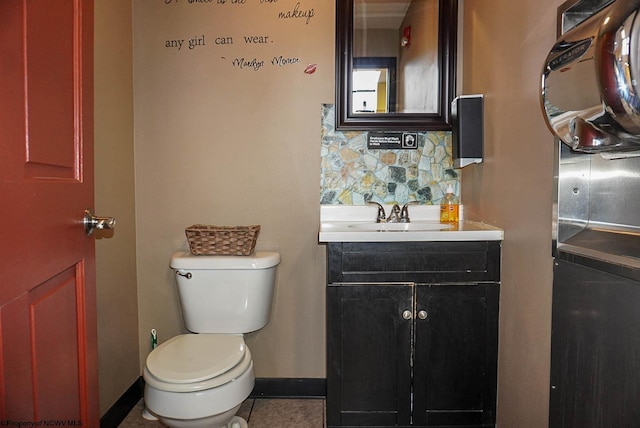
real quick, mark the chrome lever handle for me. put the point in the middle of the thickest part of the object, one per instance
(92, 222)
(404, 214)
(187, 275)
(381, 217)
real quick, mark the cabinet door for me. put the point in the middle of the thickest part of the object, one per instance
(455, 355)
(369, 354)
(595, 349)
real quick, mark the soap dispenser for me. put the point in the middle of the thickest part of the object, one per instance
(449, 207)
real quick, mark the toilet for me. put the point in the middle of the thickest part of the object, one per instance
(200, 379)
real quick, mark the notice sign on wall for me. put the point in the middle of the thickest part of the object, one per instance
(392, 140)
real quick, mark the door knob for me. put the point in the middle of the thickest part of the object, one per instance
(92, 222)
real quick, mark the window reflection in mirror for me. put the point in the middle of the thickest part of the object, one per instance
(368, 85)
(399, 39)
(374, 81)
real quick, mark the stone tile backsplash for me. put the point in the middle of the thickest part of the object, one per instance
(352, 174)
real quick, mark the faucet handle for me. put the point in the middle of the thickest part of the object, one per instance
(404, 215)
(381, 216)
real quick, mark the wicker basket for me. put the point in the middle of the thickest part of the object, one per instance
(207, 240)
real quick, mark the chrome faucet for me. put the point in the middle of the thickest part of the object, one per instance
(404, 214)
(394, 215)
(381, 217)
(397, 215)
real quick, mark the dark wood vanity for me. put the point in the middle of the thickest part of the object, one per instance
(412, 333)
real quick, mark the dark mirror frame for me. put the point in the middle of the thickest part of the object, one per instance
(447, 54)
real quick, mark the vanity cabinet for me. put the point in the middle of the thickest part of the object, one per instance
(412, 330)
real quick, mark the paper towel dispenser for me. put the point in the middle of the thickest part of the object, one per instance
(590, 81)
(467, 133)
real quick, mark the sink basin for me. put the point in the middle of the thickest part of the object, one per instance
(356, 223)
(400, 227)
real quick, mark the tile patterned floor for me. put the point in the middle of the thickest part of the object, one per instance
(259, 413)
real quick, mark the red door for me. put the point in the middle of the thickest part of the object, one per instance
(48, 358)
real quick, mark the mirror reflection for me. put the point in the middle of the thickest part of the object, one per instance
(395, 57)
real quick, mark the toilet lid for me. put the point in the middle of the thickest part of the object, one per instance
(192, 358)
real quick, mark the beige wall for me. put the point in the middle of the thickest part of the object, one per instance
(114, 196)
(417, 63)
(216, 144)
(505, 44)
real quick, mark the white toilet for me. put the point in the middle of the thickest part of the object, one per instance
(200, 380)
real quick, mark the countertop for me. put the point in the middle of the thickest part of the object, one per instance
(342, 223)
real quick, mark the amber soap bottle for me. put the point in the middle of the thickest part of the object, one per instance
(449, 207)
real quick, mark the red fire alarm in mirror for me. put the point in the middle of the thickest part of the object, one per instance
(406, 37)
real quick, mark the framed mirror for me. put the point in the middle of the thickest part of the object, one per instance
(395, 64)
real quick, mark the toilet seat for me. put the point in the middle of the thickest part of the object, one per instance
(194, 362)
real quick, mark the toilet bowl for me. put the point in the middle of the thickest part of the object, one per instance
(200, 379)
(195, 380)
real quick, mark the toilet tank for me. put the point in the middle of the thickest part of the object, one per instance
(225, 294)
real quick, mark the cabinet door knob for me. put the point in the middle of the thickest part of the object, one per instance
(422, 315)
(406, 315)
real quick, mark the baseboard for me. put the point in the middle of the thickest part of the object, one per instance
(264, 388)
(121, 408)
(289, 388)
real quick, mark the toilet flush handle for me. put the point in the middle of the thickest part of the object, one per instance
(185, 274)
